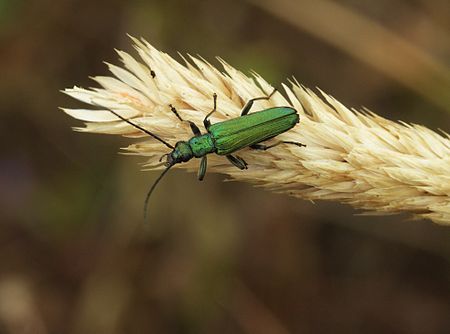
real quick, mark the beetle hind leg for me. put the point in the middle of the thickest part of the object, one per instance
(249, 103)
(237, 161)
(263, 147)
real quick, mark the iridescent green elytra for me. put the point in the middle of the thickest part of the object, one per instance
(225, 138)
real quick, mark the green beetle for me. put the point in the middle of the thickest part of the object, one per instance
(225, 138)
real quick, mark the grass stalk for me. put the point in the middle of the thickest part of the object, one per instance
(353, 157)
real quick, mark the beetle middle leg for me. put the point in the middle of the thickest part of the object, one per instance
(194, 127)
(249, 103)
(263, 147)
(206, 121)
(237, 161)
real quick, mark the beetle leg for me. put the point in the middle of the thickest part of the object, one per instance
(194, 127)
(202, 168)
(249, 103)
(237, 161)
(206, 121)
(263, 147)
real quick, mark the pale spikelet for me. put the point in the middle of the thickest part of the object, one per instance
(352, 157)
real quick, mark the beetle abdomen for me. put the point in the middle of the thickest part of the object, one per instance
(237, 133)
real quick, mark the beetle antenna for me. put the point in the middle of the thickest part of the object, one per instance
(142, 129)
(153, 188)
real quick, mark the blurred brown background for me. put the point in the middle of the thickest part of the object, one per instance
(217, 257)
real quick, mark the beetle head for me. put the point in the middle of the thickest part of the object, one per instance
(181, 153)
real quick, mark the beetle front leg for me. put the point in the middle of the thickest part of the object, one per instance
(263, 147)
(194, 127)
(202, 168)
(206, 121)
(249, 103)
(237, 161)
